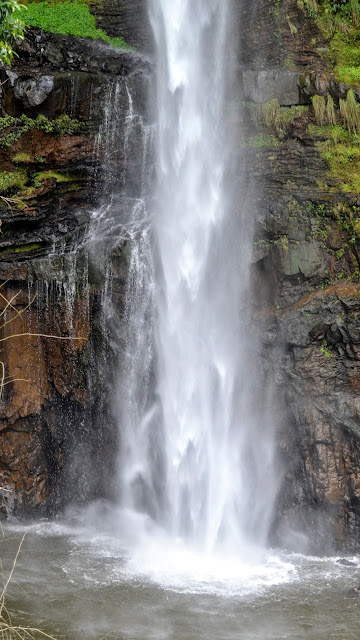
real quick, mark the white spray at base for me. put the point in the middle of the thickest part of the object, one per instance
(197, 464)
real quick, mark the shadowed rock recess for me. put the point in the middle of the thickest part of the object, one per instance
(56, 424)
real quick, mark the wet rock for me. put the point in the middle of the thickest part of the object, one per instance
(128, 19)
(54, 55)
(31, 91)
(344, 562)
(261, 86)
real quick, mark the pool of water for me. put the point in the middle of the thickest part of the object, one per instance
(78, 583)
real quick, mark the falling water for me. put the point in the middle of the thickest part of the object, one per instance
(197, 448)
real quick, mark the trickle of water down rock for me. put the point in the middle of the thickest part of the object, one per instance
(197, 441)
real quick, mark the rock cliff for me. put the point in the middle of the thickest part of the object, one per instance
(306, 269)
(56, 424)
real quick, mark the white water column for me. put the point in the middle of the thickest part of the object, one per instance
(200, 461)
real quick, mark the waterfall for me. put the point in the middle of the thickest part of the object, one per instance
(197, 452)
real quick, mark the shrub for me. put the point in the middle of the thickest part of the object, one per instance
(14, 128)
(11, 28)
(10, 180)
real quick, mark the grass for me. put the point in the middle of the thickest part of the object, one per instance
(340, 143)
(274, 117)
(67, 18)
(349, 112)
(9, 630)
(344, 163)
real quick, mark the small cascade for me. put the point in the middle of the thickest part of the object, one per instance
(62, 281)
(123, 156)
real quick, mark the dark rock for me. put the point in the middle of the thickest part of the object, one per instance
(33, 91)
(346, 563)
(263, 85)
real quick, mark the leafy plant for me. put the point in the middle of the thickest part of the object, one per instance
(324, 350)
(14, 128)
(11, 28)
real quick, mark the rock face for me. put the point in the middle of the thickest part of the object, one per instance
(128, 18)
(306, 278)
(56, 425)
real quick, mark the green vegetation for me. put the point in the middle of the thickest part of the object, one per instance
(20, 186)
(325, 351)
(331, 16)
(349, 112)
(11, 129)
(262, 140)
(11, 28)
(344, 163)
(24, 248)
(324, 110)
(341, 144)
(342, 221)
(274, 117)
(348, 75)
(59, 177)
(11, 180)
(348, 218)
(67, 18)
(21, 158)
(339, 23)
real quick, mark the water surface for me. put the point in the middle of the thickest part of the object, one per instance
(81, 585)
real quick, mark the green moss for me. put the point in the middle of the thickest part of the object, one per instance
(25, 248)
(12, 180)
(21, 158)
(348, 75)
(11, 129)
(339, 23)
(67, 18)
(262, 140)
(59, 177)
(344, 163)
(336, 133)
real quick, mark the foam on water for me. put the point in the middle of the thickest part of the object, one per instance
(172, 565)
